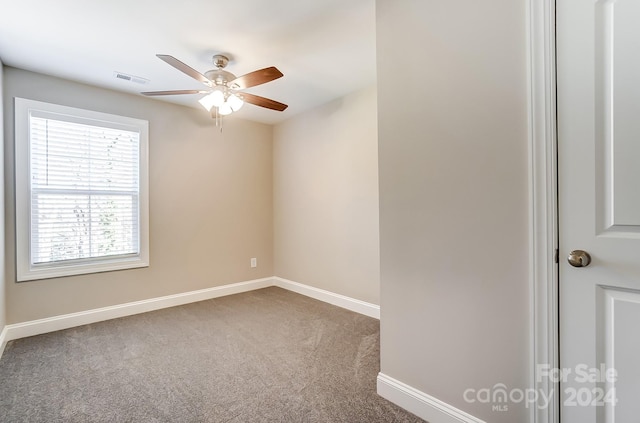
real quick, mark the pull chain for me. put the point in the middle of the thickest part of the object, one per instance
(219, 119)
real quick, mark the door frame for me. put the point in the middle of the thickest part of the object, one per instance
(543, 204)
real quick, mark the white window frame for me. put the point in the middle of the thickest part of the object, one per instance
(25, 270)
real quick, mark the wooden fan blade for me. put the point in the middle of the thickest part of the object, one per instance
(184, 68)
(174, 92)
(263, 102)
(258, 77)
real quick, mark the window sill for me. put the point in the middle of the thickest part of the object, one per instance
(61, 270)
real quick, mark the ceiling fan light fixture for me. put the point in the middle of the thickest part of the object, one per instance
(235, 102)
(221, 97)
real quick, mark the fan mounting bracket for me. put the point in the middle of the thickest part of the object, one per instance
(220, 61)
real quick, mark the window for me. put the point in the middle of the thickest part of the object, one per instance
(81, 191)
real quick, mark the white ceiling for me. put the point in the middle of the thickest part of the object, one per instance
(325, 48)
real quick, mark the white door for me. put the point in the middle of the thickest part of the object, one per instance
(598, 47)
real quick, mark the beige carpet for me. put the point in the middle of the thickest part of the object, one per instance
(263, 356)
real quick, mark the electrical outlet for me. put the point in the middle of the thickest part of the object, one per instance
(254, 262)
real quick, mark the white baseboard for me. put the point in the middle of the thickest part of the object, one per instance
(66, 321)
(3, 340)
(422, 405)
(362, 307)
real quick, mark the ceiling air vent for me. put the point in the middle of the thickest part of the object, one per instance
(130, 78)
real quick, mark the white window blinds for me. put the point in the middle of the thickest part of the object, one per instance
(84, 191)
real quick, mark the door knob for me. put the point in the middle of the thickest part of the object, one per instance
(579, 258)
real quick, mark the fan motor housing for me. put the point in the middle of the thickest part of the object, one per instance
(219, 76)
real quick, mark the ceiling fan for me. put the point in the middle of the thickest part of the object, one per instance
(224, 93)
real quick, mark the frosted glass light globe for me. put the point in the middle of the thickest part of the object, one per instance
(235, 102)
(225, 109)
(213, 99)
(217, 97)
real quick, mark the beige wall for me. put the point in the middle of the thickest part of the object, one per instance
(326, 197)
(210, 203)
(453, 197)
